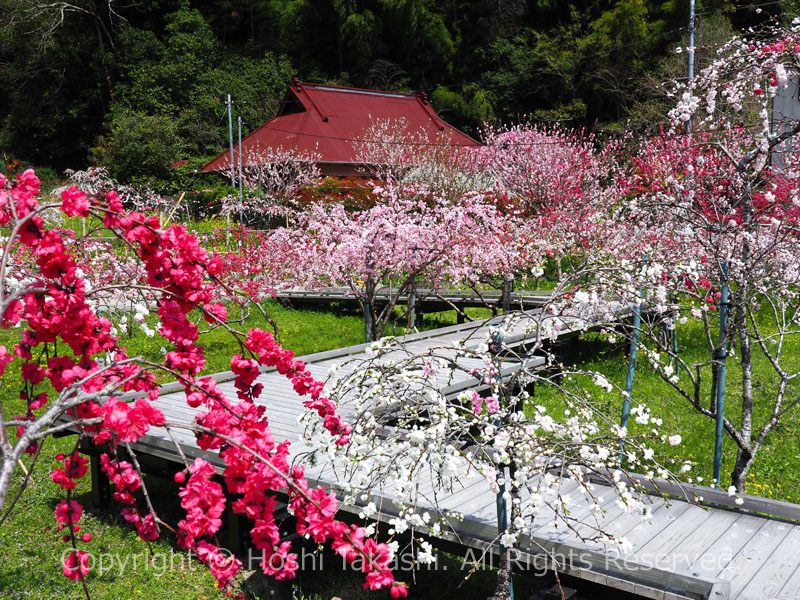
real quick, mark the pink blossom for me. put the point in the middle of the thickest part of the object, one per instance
(68, 513)
(74, 202)
(76, 564)
(477, 403)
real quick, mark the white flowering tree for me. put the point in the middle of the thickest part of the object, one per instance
(395, 153)
(96, 180)
(271, 178)
(410, 431)
(713, 213)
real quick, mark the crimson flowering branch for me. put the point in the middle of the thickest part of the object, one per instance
(82, 360)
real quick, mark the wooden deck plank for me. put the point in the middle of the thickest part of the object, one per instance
(780, 577)
(487, 509)
(580, 509)
(644, 532)
(283, 421)
(680, 529)
(754, 554)
(611, 511)
(623, 524)
(716, 556)
(702, 536)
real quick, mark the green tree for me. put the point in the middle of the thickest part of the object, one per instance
(142, 147)
(468, 110)
(185, 77)
(53, 87)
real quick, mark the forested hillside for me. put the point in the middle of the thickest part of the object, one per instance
(136, 85)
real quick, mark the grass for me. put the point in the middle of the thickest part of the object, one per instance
(776, 471)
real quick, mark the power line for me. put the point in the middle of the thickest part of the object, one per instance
(745, 7)
(523, 144)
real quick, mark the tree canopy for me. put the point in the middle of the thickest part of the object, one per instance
(108, 82)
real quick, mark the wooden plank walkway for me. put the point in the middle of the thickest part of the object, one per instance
(685, 551)
(424, 299)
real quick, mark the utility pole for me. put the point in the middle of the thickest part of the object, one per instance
(241, 219)
(230, 139)
(691, 56)
(233, 174)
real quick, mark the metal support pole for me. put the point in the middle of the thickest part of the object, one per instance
(508, 285)
(691, 55)
(241, 219)
(637, 321)
(412, 303)
(233, 172)
(720, 417)
(230, 141)
(495, 346)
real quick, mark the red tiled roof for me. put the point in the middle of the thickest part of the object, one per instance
(326, 120)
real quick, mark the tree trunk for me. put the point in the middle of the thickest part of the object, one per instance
(745, 454)
(744, 460)
(7, 465)
(503, 589)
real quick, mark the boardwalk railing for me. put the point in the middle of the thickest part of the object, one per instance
(424, 299)
(715, 497)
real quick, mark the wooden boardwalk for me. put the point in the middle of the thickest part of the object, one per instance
(685, 551)
(424, 299)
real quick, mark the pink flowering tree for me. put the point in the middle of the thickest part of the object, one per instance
(77, 377)
(411, 237)
(561, 181)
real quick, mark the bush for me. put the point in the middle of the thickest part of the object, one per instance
(141, 149)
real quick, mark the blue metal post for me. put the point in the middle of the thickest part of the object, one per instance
(412, 303)
(495, 345)
(637, 321)
(368, 312)
(508, 284)
(723, 325)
